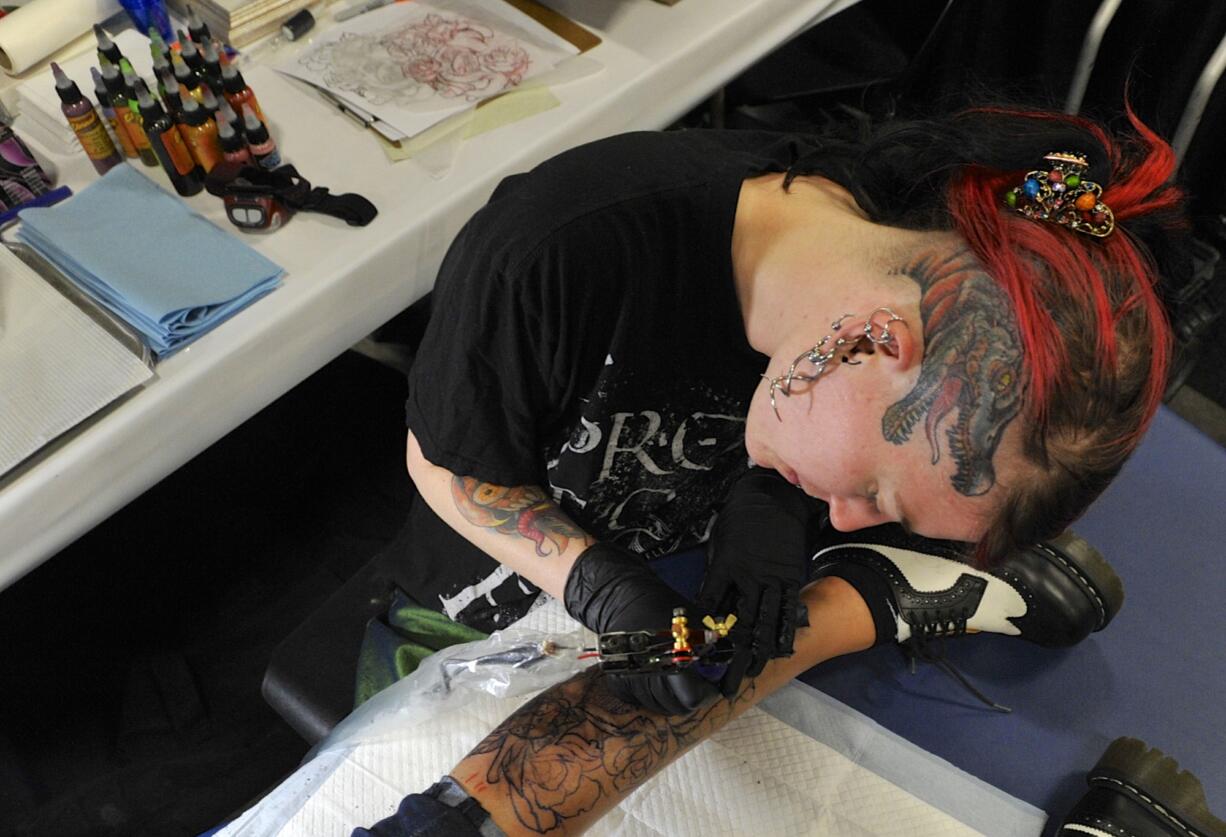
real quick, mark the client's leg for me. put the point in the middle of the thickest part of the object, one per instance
(571, 754)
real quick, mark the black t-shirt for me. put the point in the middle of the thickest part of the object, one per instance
(586, 336)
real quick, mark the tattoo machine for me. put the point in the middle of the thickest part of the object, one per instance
(260, 200)
(707, 650)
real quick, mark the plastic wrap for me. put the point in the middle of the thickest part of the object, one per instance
(510, 663)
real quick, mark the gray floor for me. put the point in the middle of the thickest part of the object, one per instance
(1206, 414)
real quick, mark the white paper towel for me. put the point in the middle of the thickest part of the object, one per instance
(762, 774)
(39, 28)
(57, 366)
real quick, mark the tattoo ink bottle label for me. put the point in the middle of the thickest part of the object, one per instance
(93, 136)
(124, 119)
(143, 148)
(185, 175)
(199, 132)
(84, 121)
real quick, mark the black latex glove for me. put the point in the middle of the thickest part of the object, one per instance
(612, 589)
(757, 562)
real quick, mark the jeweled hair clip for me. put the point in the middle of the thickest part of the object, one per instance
(1063, 196)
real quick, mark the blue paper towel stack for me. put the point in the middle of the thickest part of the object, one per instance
(142, 254)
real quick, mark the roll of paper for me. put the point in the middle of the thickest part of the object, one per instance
(39, 28)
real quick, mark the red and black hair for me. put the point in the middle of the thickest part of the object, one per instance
(1095, 338)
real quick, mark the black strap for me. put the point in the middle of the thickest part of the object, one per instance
(352, 208)
(290, 188)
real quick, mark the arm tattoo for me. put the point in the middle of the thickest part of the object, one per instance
(972, 368)
(576, 746)
(520, 510)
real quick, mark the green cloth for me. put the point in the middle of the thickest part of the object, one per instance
(396, 643)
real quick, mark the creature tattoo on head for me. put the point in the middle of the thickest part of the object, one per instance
(972, 368)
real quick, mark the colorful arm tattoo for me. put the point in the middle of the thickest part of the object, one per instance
(972, 368)
(576, 750)
(519, 510)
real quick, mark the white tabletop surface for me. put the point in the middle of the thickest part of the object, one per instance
(343, 282)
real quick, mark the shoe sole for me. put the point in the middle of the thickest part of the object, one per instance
(1086, 565)
(1153, 780)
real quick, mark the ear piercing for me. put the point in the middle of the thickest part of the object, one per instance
(823, 352)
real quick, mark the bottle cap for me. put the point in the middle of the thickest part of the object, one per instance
(100, 89)
(253, 127)
(110, 77)
(229, 139)
(150, 109)
(208, 101)
(105, 45)
(190, 110)
(182, 72)
(226, 113)
(197, 27)
(232, 79)
(129, 83)
(65, 87)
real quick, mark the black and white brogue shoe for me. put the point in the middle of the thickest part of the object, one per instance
(1054, 593)
(1138, 791)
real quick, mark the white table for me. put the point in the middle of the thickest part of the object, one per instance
(344, 282)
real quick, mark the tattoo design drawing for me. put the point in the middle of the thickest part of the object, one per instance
(972, 369)
(577, 745)
(520, 510)
(436, 57)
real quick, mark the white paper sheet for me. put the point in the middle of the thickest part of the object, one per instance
(414, 64)
(57, 366)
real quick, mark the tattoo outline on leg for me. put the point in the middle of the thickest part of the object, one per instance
(575, 745)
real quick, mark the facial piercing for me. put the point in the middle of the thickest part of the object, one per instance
(820, 356)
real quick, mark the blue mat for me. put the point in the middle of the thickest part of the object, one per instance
(1155, 673)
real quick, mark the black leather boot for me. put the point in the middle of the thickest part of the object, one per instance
(1137, 791)
(1054, 593)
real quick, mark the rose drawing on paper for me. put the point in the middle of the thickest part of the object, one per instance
(457, 58)
(435, 57)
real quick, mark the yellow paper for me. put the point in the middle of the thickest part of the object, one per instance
(506, 109)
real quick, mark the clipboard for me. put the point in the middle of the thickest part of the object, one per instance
(560, 25)
(557, 23)
(580, 38)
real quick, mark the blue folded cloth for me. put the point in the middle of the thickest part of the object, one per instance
(146, 257)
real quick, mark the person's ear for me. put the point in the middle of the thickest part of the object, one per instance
(904, 349)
